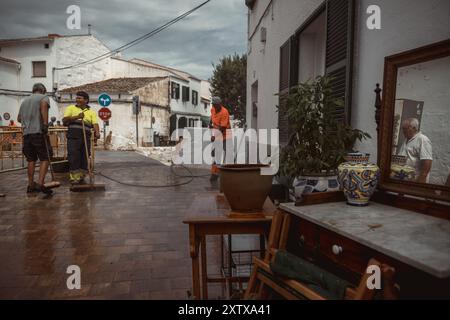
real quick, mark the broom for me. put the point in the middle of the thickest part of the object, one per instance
(52, 184)
(91, 186)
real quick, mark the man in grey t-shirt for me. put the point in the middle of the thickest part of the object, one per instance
(33, 115)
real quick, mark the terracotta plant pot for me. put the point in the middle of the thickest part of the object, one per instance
(244, 187)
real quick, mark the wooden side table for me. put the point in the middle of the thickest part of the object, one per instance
(210, 214)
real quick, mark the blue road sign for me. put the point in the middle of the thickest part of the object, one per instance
(104, 100)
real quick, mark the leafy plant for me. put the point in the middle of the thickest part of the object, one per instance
(318, 140)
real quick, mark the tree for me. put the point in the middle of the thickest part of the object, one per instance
(229, 82)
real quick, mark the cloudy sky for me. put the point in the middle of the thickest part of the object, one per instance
(193, 44)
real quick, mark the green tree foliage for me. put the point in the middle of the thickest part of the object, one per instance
(229, 83)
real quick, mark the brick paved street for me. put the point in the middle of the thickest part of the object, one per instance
(129, 242)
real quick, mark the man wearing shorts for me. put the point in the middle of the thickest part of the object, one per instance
(33, 115)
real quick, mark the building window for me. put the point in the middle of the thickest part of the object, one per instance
(39, 69)
(205, 104)
(185, 94)
(175, 91)
(194, 97)
(46, 46)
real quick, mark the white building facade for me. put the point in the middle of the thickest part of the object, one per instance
(57, 62)
(291, 41)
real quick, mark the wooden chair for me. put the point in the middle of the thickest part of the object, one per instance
(263, 278)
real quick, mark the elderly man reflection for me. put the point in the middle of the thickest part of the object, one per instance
(417, 149)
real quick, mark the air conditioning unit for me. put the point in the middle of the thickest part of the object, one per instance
(263, 34)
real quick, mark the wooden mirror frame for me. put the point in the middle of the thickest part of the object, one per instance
(391, 65)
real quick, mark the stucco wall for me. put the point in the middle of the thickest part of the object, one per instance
(122, 68)
(281, 21)
(27, 52)
(178, 105)
(405, 25)
(123, 121)
(75, 49)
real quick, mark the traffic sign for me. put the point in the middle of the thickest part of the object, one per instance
(104, 114)
(6, 116)
(104, 100)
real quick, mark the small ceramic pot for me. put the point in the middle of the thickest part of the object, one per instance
(310, 184)
(358, 179)
(402, 172)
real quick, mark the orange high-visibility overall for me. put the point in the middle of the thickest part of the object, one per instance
(220, 119)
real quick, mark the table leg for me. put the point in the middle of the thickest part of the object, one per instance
(204, 268)
(194, 244)
(262, 245)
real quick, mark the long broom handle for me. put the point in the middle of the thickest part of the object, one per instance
(49, 159)
(86, 150)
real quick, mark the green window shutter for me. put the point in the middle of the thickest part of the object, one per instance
(339, 52)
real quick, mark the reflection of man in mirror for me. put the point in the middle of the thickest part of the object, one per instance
(417, 149)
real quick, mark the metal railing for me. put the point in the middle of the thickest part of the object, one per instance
(11, 143)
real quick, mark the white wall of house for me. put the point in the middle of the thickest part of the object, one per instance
(26, 53)
(70, 50)
(281, 21)
(154, 104)
(122, 68)
(405, 25)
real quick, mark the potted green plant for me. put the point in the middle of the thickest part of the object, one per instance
(318, 140)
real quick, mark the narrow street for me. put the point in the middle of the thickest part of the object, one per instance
(129, 242)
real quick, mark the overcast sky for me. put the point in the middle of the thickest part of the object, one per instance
(193, 44)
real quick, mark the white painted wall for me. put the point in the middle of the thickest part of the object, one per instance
(27, 52)
(122, 68)
(71, 50)
(123, 121)
(406, 24)
(281, 21)
(430, 82)
(178, 105)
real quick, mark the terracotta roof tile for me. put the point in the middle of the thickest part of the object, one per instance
(115, 85)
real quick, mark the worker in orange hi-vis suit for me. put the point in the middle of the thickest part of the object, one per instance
(220, 120)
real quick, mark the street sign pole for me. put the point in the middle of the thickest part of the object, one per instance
(104, 135)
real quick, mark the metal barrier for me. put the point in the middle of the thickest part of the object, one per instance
(11, 142)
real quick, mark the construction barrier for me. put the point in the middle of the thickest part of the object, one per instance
(11, 142)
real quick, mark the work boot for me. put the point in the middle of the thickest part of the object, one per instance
(33, 188)
(46, 190)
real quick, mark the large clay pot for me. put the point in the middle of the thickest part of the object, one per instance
(244, 187)
(358, 179)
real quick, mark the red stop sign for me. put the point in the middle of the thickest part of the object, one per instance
(104, 114)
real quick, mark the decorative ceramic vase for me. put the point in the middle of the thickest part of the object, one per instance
(401, 171)
(319, 183)
(358, 178)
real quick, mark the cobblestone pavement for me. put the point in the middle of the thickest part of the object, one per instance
(129, 242)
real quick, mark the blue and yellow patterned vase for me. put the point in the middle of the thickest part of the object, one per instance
(358, 178)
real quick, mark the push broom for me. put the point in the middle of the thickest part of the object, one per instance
(52, 184)
(91, 186)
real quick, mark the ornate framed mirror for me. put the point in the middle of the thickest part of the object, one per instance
(414, 137)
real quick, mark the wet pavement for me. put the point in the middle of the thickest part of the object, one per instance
(129, 242)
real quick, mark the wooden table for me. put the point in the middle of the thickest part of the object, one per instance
(210, 214)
